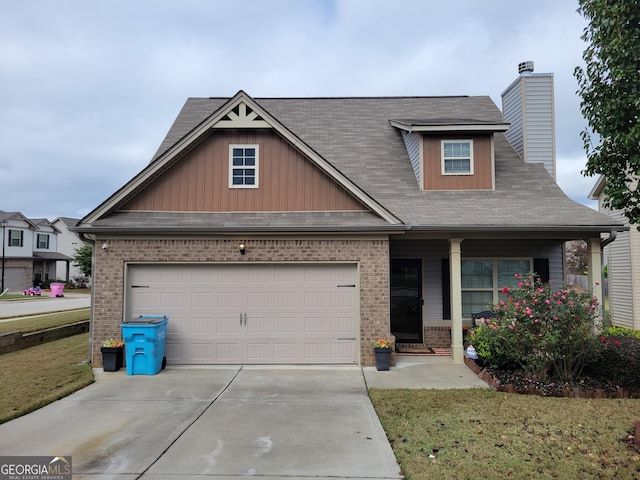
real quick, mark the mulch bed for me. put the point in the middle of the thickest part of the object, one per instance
(516, 382)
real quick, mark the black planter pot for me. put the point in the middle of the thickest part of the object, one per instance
(111, 358)
(383, 358)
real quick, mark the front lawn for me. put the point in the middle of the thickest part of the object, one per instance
(43, 321)
(36, 376)
(482, 434)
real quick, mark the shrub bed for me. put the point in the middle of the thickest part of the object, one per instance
(546, 341)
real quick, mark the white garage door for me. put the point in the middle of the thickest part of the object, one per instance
(250, 314)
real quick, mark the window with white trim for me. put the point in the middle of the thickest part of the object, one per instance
(16, 238)
(243, 166)
(43, 240)
(484, 279)
(457, 157)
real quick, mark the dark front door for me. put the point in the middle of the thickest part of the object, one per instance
(406, 300)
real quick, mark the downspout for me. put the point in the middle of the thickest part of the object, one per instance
(93, 267)
(607, 241)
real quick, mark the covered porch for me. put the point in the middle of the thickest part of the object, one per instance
(437, 284)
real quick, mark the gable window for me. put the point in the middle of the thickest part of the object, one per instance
(43, 240)
(243, 166)
(483, 281)
(15, 238)
(457, 157)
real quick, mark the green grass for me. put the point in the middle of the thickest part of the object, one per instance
(33, 377)
(40, 322)
(481, 434)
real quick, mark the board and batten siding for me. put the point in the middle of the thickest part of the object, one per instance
(199, 181)
(432, 252)
(482, 177)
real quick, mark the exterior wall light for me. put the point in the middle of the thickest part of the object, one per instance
(243, 248)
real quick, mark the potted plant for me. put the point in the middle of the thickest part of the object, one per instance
(382, 349)
(112, 354)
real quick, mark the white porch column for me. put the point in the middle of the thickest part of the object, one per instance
(594, 266)
(455, 269)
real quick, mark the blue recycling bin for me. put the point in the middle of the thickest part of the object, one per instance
(144, 341)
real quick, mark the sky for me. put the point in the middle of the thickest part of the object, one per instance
(88, 90)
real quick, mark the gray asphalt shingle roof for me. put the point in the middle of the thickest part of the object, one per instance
(355, 135)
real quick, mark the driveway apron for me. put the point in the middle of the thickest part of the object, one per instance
(219, 422)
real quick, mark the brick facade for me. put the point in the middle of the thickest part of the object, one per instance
(372, 256)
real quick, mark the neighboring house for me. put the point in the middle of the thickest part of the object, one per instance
(297, 230)
(29, 251)
(623, 260)
(68, 244)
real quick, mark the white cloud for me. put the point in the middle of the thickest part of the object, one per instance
(90, 89)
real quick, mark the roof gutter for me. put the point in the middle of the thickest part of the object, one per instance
(267, 229)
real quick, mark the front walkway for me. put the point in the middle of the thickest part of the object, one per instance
(439, 372)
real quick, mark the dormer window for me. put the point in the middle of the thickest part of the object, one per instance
(457, 157)
(243, 166)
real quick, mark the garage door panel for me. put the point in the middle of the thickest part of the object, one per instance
(228, 352)
(341, 300)
(285, 325)
(235, 314)
(314, 325)
(259, 325)
(201, 351)
(285, 352)
(204, 300)
(229, 300)
(173, 299)
(341, 325)
(259, 299)
(285, 300)
(315, 300)
(226, 325)
(342, 350)
(202, 325)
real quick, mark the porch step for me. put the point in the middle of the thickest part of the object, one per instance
(412, 351)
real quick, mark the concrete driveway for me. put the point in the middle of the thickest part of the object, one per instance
(213, 422)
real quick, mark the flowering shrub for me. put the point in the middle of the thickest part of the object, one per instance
(543, 332)
(382, 343)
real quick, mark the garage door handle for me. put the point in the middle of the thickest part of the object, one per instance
(245, 319)
(240, 319)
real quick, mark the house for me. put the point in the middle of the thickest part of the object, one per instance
(297, 230)
(29, 251)
(68, 244)
(623, 260)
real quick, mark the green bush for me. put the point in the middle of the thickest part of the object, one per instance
(545, 333)
(620, 332)
(618, 361)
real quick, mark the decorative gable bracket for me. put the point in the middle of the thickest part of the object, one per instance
(242, 117)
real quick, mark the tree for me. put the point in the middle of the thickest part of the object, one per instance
(82, 259)
(609, 88)
(577, 257)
